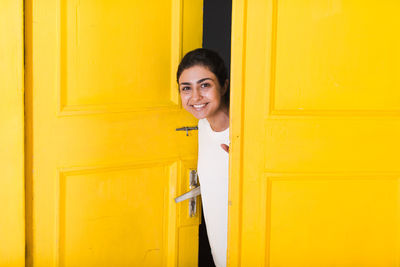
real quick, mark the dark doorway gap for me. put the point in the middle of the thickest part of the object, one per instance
(217, 16)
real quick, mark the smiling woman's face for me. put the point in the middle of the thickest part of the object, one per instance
(200, 91)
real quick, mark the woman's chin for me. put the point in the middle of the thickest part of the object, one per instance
(198, 115)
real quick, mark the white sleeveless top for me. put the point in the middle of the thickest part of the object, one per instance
(212, 167)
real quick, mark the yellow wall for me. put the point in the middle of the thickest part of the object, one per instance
(12, 240)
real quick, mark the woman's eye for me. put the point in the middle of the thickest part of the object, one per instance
(185, 88)
(205, 85)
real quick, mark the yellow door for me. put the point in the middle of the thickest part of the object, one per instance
(12, 233)
(104, 159)
(315, 169)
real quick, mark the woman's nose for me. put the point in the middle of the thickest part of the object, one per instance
(196, 94)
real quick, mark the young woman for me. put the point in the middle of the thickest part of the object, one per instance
(204, 90)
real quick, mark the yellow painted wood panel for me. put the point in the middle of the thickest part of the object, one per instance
(105, 159)
(12, 232)
(339, 220)
(186, 243)
(314, 160)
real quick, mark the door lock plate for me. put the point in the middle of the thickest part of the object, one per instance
(192, 194)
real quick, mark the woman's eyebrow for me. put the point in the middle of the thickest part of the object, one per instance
(202, 80)
(199, 81)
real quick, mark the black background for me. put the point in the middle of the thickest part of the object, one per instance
(217, 18)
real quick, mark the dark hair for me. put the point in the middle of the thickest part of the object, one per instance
(209, 59)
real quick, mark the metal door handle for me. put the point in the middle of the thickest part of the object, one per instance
(192, 194)
(187, 129)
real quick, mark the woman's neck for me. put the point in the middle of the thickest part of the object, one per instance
(220, 120)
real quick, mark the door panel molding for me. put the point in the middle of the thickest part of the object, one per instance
(70, 45)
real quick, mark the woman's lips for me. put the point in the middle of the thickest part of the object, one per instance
(199, 107)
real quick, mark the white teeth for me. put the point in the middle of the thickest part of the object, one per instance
(199, 106)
